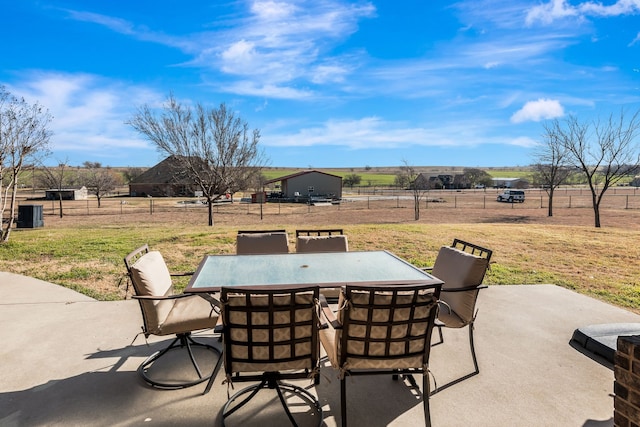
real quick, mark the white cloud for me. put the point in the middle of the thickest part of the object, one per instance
(538, 110)
(276, 43)
(89, 112)
(250, 88)
(375, 133)
(547, 13)
(621, 7)
(523, 141)
(272, 10)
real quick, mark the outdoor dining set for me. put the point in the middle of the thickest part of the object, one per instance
(272, 311)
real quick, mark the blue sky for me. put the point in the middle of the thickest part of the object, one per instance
(329, 83)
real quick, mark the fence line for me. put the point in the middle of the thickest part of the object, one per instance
(625, 198)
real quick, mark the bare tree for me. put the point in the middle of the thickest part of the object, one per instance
(213, 146)
(55, 177)
(24, 135)
(99, 181)
(605, 151)
(552, 166)
(418, 190)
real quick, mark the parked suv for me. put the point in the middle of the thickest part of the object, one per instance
(511, 196)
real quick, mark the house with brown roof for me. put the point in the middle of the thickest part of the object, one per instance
(166, 179)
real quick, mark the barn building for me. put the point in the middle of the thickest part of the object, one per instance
(309, 184)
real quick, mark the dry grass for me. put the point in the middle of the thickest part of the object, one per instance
(85, 252)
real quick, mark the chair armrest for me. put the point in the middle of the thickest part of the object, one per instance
(328, 313)
(160, 297)
(218, 329)
(465, 289)
(188, 273)
(215, 302)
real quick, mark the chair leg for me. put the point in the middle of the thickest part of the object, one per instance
(185, 341)
(213, 375)
(439, 328)
(476, 370)
(271, 383)
(181, 341)
(252, 390)
(425, 400)
(343, 401)
(473, 349)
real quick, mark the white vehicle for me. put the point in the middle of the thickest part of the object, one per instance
(511, 196)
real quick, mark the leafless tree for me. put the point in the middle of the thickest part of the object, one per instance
(24, 135)
(410, 175)
(56, 178)
(213, 146)
(605, 151)
(99, 181)
(552, 167)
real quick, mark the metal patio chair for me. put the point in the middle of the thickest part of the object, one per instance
(165, 313)
(382, 331)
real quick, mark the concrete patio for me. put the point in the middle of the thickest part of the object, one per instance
(66, 359)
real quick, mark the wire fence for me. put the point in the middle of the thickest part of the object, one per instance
(615, 198)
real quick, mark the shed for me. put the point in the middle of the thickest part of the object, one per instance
(309, 184)
(67, 194)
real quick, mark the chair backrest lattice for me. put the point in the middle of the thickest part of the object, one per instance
(386, 327)
(270, 330)
(320, 232)
(135, 255)
(472, 249)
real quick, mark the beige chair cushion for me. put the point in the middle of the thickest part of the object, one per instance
(188, 314)
(449, 317)
(250, 332)
(151, 277)
(262, 243)
(383, 327)
(333, 243)
(458, 269)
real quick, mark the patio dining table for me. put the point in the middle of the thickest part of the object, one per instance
(292, 270)
(325, 269)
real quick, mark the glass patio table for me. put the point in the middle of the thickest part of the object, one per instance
(326, 270)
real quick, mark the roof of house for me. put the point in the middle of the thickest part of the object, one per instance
(293, 175)
(164, 172)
